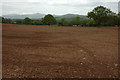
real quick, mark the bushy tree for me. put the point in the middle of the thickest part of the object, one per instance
(112, 21)
(4, 20)
(75, 21)
(36, 22)
(49, 20)
(62, 22)
(100, 14)
(27, 20)
(19, 21)
(119, 19)
(89, 23)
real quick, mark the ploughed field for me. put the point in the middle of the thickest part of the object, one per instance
(59, 52)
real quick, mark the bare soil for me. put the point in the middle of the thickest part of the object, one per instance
(59, 52)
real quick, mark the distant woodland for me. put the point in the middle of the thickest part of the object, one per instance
(99, 16)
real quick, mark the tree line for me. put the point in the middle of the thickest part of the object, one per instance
(99, 16)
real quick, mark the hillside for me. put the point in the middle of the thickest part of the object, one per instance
(71, 16)
(18, 16)
(39, 15)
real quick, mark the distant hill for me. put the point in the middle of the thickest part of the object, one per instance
(71, 16)
(17, 16)
(39, 15)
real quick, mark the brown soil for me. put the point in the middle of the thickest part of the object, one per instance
(59, 52)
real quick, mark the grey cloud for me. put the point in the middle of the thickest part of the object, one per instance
(54, 7)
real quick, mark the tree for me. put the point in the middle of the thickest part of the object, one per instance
(27, 20)
(100, 14)
(4, 20)
(42, 20)
(19, 21)
(49, 20)
(77, 20)
(119, 19)
(112, 20)
(63, 22)
(84, 22)
(89, 23)
(36, 22)
(1, 19)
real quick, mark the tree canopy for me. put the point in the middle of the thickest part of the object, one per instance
(75, 21)
(49, 20)
(63, 22)
(27, 20)
(100, 14)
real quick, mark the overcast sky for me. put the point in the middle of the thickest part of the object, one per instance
(58, 7)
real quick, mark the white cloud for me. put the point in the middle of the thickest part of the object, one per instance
(14, 1)
(0, 9)
(54, 7)
(57, 1)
